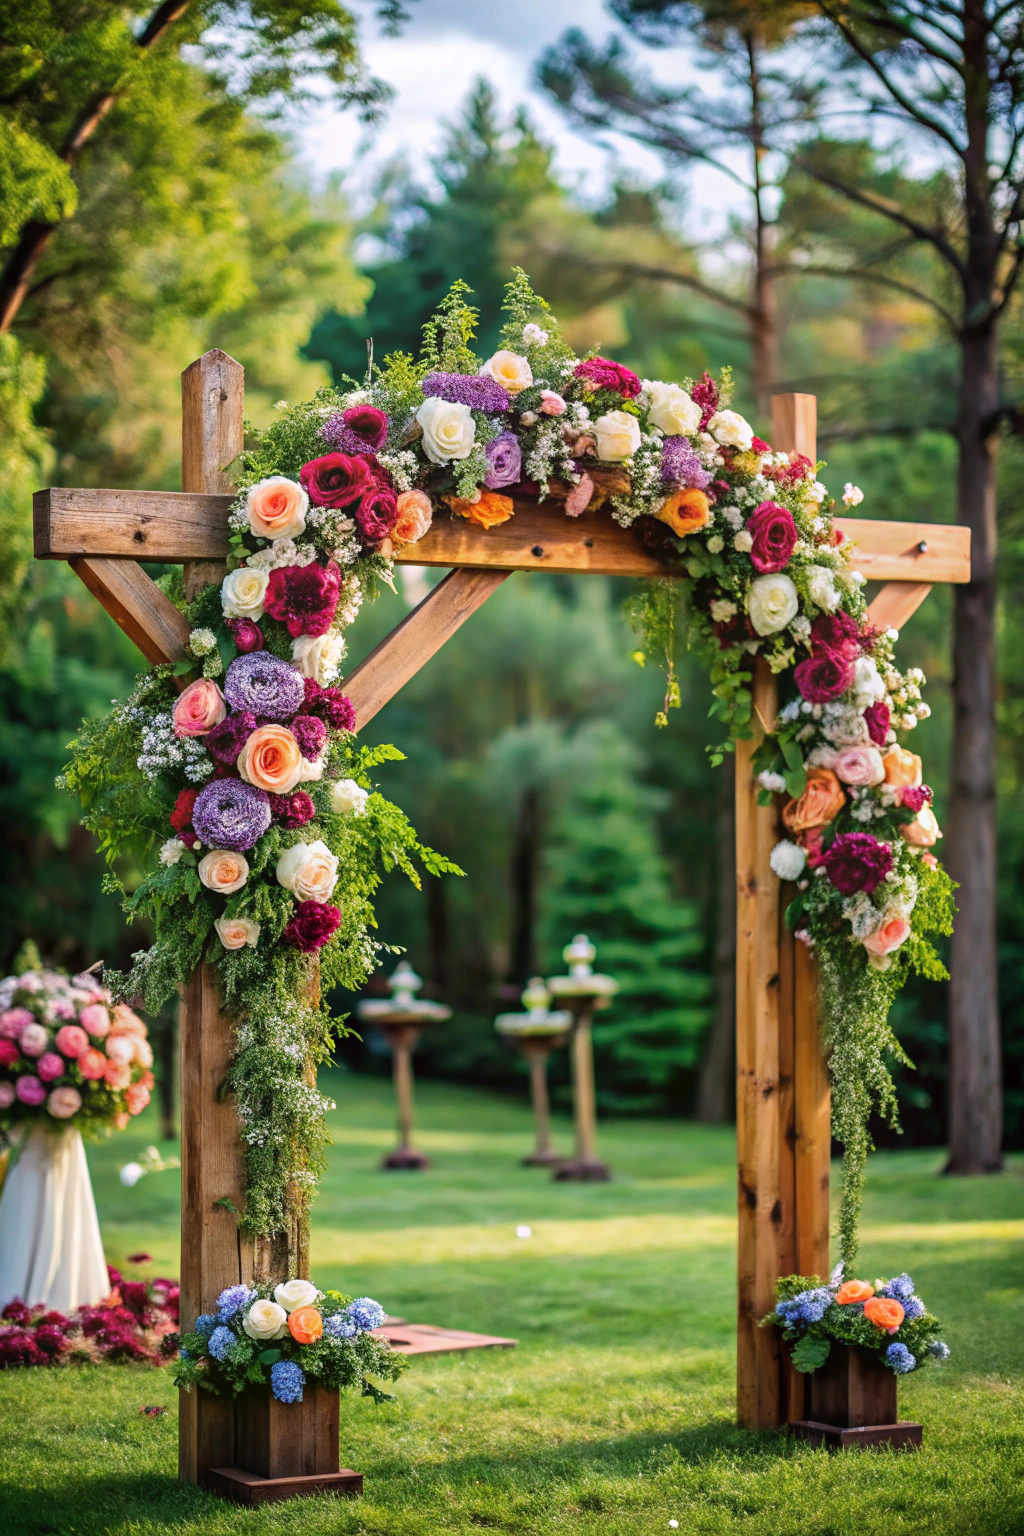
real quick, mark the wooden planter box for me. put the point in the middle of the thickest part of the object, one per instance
(851, 1401)
(284, 1450)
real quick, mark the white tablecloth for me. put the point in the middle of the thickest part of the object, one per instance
(50, 1247)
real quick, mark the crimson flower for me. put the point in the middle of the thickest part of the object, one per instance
(606, 374)
(377, 513)
(336, 480)
(774, 533)
(304, 597)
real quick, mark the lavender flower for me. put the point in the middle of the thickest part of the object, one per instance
(680, 464)
(219, 1342)
(340, 1327)
(233, 1299)
(230, 814)
(504, 461)
(287, 1381)
(900, 1359)
(475, 390)
(365, 1313)
(264, 684)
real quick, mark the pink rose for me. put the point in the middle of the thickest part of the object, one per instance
(859, 765)
(889, 935)
(34, 1039)
(138, 1098)
(13, 1022)
(774, 534)
(95, 1019)
(30, 1090)
(72, 1040)
(92, 1065)
(199, 709)
(118, 1074)
(551, 404)
(277, 508)
(64, 1102)
(121, 1048)
(50, 1066)
(6, 1095)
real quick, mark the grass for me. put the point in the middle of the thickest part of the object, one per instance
(615, 1413)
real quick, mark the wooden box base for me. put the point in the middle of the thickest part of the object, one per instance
(582, 1171)
(248, 1488)
(901, 1436)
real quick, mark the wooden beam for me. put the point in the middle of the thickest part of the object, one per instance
(134, 525)
(137, 605)
(212, 437)
(918, 552)
(896, 602)
(421, 634)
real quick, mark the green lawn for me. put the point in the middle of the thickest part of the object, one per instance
(614, 1415)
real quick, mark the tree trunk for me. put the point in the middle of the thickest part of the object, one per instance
(716, 1089)
(763, 318)
(975, 1095)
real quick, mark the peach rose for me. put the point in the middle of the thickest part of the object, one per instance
(488, 512)
(854, 1290)
(118, 1074)
(860, 765)
(308, 870)
(236, 932)
(95, 1019)
(305, 1325)
(885, 1312)
(198, 709)
(272, 760)
(222, 871)
(121, 1048)
(901, 767)
(509, 370)
(924, 830)
(888, 936)
(92, 1065)
(277, 508)
(137, 1098)
(685, 511)
(127, 1022)
(415, 515)
(820, 803)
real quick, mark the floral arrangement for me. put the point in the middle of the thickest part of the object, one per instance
(137, 1321)
(886, 1318)
(284, 1336)
(68, 1056)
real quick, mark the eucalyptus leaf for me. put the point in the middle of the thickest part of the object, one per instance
(811, 1352)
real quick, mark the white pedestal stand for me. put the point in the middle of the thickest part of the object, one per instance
(50, 1248)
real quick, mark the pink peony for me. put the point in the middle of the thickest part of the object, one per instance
(118, 1074)
(9, 1052)
(6, 1095)
(824, 677)
(305, 597)
(34, 1040)
(856, 861)
(605, 374)
(774, 534)
(96, 1020)
(198, 709)
(72, 1040)
(13, 1022)
(50, 1066)
(137, 1098)
(92, 1065)
(859, 765)
(551, 404)
(889, 935)
(64, 1102)
(30, 1090)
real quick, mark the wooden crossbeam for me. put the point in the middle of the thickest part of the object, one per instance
(897, 602)
(178, 526)
(137, 605)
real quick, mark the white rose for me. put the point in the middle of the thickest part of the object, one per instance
(772, 602)
(617, 435)
(347, 797)
(867, 685)
(309, 871)
(449, 430)
(265, 1320)
(821, 584)
(816, 492)
(787, 861)
(509, 370)
(310, 772)
(319, 656)
(242, 593)
(236, 932)
(672, 409)
(297, 1293)
(729, 427)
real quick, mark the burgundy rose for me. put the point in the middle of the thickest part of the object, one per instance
(876, 718)
(49, 1339)
(226, 740)
(774, 533)
(181, 816)
(914, 797)
(292, 810)
(329, 704)
(368, 423)
(605, 374)
(336, 480)
(248, 636)
(823, 678)
(305, 597)
(310, 733)
(856, 862)
(705, 394)
(16, 1312)
(312, 924)
(835, 634)
(758, 445)
(377, 513)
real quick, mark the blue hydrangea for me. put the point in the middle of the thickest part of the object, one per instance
(913, 1307)
(287, 1381)
(901, 1289)
(340, 1326)
(366, 1313)
(205, 1324)
(220, 1341)
(808, 1307)
(184, 1354)
(232, 1300)
(900, 1359)
(938, 1350)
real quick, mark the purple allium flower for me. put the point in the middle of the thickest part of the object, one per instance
(340, 1327)
(680, 465)
(219, 1342)
(264, 684)
(231, 1300)
(226, 740)
(287, 1381)
(365, 1313)
(473, 389)
(310, 733)
(504, 461)
(231, 814)
(899, 1358)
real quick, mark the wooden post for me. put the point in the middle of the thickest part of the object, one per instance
(585, 1165)
(402, 1039)
(537, 1050)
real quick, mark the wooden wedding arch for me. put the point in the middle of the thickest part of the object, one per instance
(782, 1085)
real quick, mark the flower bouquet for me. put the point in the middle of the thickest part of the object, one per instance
(283, 1336)
(136, 1321)
(886, 1318)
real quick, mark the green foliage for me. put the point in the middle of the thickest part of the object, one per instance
(448, 333)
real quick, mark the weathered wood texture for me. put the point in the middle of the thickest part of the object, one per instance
(287, 1439)
(212, 437)
(136, 605)
(421, 634)
(175, 526)
(852, 1389)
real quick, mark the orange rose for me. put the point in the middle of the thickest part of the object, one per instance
(277, 508)
(118, 1074)
(685, 512)
(305, 1325)
(488, 512)
(854, 1290)
(820, 802)
(415, 515)
(884, 1312)
(901, 767)
(222, 871)
(923, 831)
(271, 759)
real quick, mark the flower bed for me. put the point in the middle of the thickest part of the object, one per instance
(138, 1321)
(886, 1318)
